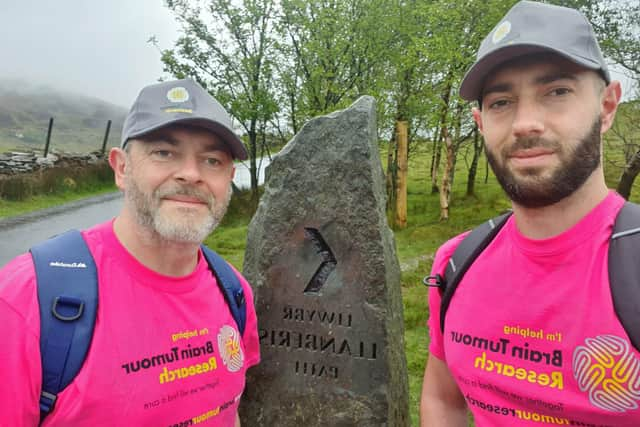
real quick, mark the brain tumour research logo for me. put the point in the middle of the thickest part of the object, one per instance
(229, 347)
(608, 371)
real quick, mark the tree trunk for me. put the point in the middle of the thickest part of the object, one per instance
(486, 169)
(392, 173)
(292, 105)
(435, 160)
(445, 188)
(403, 153)
(253, 167)
(457, 140)
(473, 169)
(629, 174)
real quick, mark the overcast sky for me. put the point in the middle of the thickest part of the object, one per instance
(93, 47)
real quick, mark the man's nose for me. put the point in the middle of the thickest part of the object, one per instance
(529, 119)
(189, 170)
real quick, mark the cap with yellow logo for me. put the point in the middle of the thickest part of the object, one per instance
(532, 27)
(180, 102)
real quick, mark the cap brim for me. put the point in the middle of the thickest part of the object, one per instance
(473, 81)
(237, 148)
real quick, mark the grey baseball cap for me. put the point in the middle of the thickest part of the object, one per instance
(180, 101)
(532, 27)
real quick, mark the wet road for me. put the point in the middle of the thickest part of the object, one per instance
(18, 234)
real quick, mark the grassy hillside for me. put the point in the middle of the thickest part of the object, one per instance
(79, 121)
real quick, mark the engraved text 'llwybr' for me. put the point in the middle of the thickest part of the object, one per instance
(299, 314)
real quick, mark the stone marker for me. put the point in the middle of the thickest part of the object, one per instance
(322, 263)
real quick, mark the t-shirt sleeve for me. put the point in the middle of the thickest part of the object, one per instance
(436, 343)
(20, 370)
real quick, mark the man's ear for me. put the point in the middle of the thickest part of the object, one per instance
(477, 117)
(611, 96)
(118, 161)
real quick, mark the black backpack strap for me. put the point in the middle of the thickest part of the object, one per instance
(230, 286)
(624, 270)
(68, 297)
(464, 255)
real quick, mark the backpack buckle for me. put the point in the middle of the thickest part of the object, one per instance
(436, 281)
(239, 297)
(67, 309)
(47, 401)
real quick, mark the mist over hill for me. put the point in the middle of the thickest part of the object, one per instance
(79, 122)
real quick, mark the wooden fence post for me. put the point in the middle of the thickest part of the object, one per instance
(106, 136)
(403, 167)
(46, 145)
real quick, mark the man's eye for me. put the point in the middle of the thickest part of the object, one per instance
(213, 161)
(560, 91)
(161, 154)
(501, 103)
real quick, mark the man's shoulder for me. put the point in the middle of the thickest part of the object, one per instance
(98, 232)
(17, 284)
(492, 229)
(446, 250)
(241, 279)
(20, 268)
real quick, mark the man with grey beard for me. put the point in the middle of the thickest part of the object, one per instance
(515, 347)
(166, 348)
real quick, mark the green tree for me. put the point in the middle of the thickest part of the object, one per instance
(333, 51)
(227, 46)
(624, 137)
(402, 84)
(454, 30)
(434, 43)
(617, 26)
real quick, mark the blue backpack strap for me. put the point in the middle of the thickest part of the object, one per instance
(463, 256)
(624, 270)
(230, 286)
(68, 297)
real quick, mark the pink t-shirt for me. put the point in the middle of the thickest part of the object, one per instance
(531, 336)
(165, 351)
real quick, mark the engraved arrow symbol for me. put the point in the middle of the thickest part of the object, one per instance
(328, 261)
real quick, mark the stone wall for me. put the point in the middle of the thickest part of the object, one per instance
(16, 162)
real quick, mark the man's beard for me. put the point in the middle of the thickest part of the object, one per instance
(184, 225)
(576, 166)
